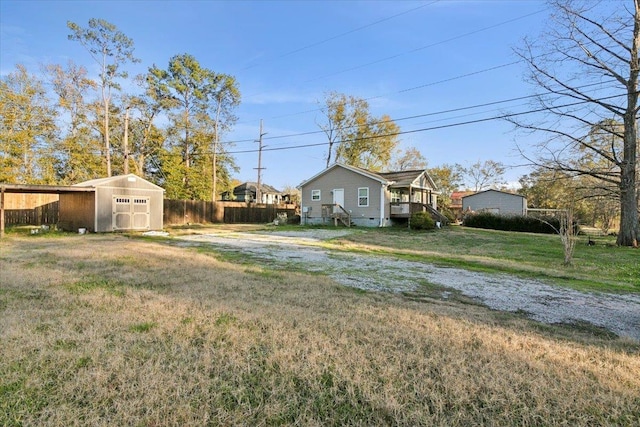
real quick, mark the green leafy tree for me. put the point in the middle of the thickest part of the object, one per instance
(223, 99)
(110, 48)
(78, 149)
(448, 178)
(146, 137)
(27, 130)
(358, 138)
(201, 110)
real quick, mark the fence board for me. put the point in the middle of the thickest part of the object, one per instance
(180, 212)
(40, 215)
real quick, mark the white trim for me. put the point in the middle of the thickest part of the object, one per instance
(319, 199)
(96, 196)
(363, 188)
(382, 190)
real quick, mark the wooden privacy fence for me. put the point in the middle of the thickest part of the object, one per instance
(30, 209)
(40, 215)
(38, 210)
(181, 212)
(255, 214)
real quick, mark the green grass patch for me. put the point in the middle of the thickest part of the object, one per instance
(142, 327)
(603, 267)
(91, 284)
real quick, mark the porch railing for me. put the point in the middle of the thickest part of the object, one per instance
(406, 209)
(337, 213)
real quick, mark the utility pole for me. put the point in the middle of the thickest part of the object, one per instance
(125, 140)
(216, 141)
(260, 147)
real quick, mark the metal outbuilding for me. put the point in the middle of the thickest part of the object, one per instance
(125, 202)
(495, 201)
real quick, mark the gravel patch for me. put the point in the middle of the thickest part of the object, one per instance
(619, 314)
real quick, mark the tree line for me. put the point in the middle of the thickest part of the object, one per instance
(584, 69)
(85, 128)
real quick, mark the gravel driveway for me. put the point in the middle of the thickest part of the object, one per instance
(619, 314)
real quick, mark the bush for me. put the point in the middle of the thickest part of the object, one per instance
(422, 221)
(546, 225)
(448, 213)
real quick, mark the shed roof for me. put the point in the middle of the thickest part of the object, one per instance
(495, 191)
(120, 181)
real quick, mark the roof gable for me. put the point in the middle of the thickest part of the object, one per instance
(252, 186)
(495, 191)
(130, 180)
(363, 172)
(409, 178)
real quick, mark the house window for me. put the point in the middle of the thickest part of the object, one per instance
(363, 197)
(395, 196)
(315, 195)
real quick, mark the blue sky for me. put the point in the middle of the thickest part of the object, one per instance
(407, 58)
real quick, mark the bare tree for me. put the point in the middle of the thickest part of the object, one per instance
(587, 65)
(409, 159)
(483, 175)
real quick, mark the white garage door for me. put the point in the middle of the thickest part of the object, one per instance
(131, 213)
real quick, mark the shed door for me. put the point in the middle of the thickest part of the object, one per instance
(131, 213)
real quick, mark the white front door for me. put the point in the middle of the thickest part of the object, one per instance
(338, 199)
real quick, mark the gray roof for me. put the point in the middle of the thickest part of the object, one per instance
(252, 186)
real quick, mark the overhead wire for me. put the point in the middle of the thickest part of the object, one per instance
(413, 50)
(388, 58)
(468, 122)
(318, 43)
(440, 112)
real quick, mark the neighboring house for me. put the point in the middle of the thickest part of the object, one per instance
(456, 202)
(494, 201)
(246, 192)
(356, 196)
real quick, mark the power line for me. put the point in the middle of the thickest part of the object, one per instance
(343, 34)
(388, 58)
(450, 125)
(486, 119)
(452, 110)
(417, 49)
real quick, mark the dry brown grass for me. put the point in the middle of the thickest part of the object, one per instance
(107, 330)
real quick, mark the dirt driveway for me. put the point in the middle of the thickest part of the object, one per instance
(549, 304)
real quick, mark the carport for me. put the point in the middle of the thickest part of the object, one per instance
(34, 189)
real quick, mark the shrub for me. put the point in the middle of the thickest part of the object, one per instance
(546, 225)
(448, 213)
(422, 221)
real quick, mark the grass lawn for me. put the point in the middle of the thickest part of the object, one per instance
(603, 267)
(115, 330)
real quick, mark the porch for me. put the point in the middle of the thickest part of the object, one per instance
(404, 210)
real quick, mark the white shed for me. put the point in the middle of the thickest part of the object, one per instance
(125, 202)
